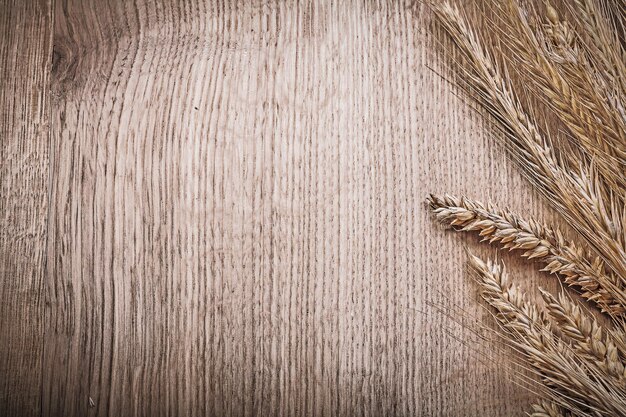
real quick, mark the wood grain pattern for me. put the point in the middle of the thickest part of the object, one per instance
(25, 47)
(237, 221)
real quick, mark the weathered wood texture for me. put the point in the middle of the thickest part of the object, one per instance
(237, 221)
(25, 57)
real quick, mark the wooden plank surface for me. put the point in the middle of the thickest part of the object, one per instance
(237, 221)
(25, 58)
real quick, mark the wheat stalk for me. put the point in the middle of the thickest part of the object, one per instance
(552, 61)
(578, 195)
(577, 70)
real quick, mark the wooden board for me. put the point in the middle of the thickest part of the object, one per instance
(25, 59)
(237, 224)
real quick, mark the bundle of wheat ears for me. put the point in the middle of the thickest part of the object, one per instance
(566, 129)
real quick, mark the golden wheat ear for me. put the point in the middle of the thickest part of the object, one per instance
(600, 22)
(570, 380)
(587, 337)
(551, 58)
(537, 241)
(578, 194)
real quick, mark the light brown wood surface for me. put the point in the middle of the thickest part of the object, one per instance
(217, 208)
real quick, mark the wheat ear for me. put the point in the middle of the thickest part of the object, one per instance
(588, 338)
(538, 242)
(593, 19)
(579, 197)
(571, 380)
(560, 74)
(548, 409)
